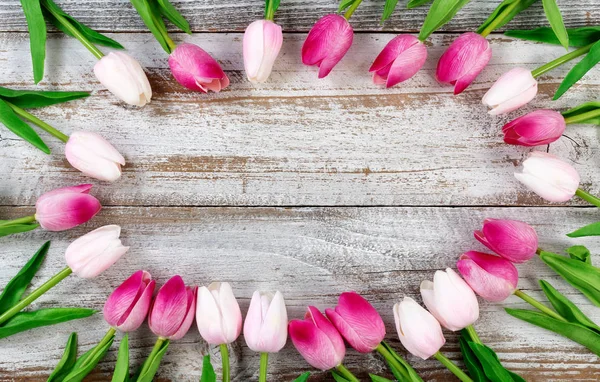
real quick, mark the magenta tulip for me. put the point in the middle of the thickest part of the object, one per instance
(512, 90)
(491, 277)
(195, 69)
(540, 127)
(126, 308)
(401, 59)
(65, 208)
(514, 240)
(94, 156)
(173, 309)
(358, 322)
(262, 42)
(464, 59)
(327, 43)
(418, 330)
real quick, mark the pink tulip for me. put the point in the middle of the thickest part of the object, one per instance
(419, 332)
(540, 127)
(491, 277)
(317, 340)
(401, 59)
(262, 42)
(464, 59)
(549, 177)
(65, 208)
(218, 315)
(126, 308)
(94, 156)
(195, 69)
(358, 322)
(172, 312)
(124, 77)
(265, 328)
(512, 90)
(327, 43)
(512, 239)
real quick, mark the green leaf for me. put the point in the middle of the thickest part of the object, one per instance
(388, 9)
(43, 317)
(121, 373)
(589, 230)
(414, 377)
(578, 110)
(579, 70)
(302, 377)
(556, 22)
(490, 363)
(154, 363)
(208, 372)
(28, 99)
(170, 12)
(575, 332)
(578, 37)
(566, 308)
(440, 13)
(37, 36)
(376, 378)
(471, 362)
(90, 34)
(516, 377)
(87, 362)
(416, 3)
(153, 21)
(581, 253)
(15, 124)
(338, 377)
(67, 361)
(15, 288)
(523, 4)
(345, 4)
(10, 229)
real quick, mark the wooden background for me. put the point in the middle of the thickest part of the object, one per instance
(312, 187)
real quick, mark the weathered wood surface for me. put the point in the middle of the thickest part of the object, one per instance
(311, 255)
(296, 15)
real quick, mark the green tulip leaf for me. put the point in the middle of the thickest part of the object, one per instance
(10, 229)
(67, 361)
(416, 3)
(28, 99)
(151, 16)
(440, 12)
(87, 362)
(345, 4)
(302, 377)
(388, 9)
(37, 36)
(15, 124)
(121, 373)
(208, 372)
(43, 317)
(582, 109)
(581, 253)
(577, 36)
(556, 22)
(376, 378)
(153, 364)
(490, 363)
(566, 308)
(471, 362)
(171, 13)
(503, 6)
(414, 377)
(579, 70)
(338, 377)
(271, 7)
(589, 230)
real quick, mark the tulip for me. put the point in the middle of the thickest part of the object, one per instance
(195, 69)
(512, 90)
(265, 328)
(173, 309)
(401, 59)
(491, 277)
(450, 299)
(126, 308)
(540, 127)
(124, 77)
(419, 332)
(512, 239)
(94, 156)
(327, 43)
(464, 59)
(65, 208)
(262, 42)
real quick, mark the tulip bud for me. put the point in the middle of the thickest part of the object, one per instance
(94, 156)
(126, 308)
(491, 277)
(262, 42)
(65, 208)
(95, 252)
(512, 90)
(124, 77)
(317, 340)
(173, 309)
(218, 314)
(327, 43)
(549, 177)
(358, 322)
(401, 59)
(195, 69)
(419, 332)
(540, 127)
(450, 299)
(512, 239)
(464, 59)
(265, 328)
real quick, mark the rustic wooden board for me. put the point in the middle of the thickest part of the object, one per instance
(311, 255)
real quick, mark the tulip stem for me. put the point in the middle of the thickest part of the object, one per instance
(352, 8)
(346, 373)
(225, 361)
(561, 60)
(23, 220)
(452, 367)
(35, 294)
(499, 19)
(392, 360)
(264, 362)
(474, 336)
(583, 117)
(588, 197)
(36, 121)
(538, 305)
(107, 338)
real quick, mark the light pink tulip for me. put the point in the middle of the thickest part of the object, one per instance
(464, 59)
(91, 154)
(65, 208)
(419, 332)
(173, 308)
(124, 77)
(195, 69)
(358, 322)
(327, 43)
(262, 42)
(540, 127)
(450, 299)
(265, 328)
(127, 307)
(512, 239)
(491, 277)
(95, 252)
(401, 59)
(317, 340)
(218, 314)
(549, 177)
(512, 90)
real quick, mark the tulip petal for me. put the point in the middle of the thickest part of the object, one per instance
(512, 239)
(80, 189)
(230, 311)
(91, 154)
(133, 319)
(516, 102)
(407, 64)
(491, 277)
(549, 177)
(262, 42)
(273, 331)
(419, 332)
(327, 43)
(169, 308)
(59, 212)
(123, 76)
(197, 70)
(189, 316)
(122, 299)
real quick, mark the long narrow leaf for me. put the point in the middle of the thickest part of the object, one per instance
(208, 372)
(590, 229)
(579, 70)
(37, 36)
(303, 377)
(170, 12)
(67, 361)
(566, 308)
(376, 378)
(556, 22)
(440, 13)
(416, 3)
(15, 124)
(388, 9)
(581, 253)
(28, 99)
(337, 377)
(42, 317)
(577, 36)
(10, 229)
(523, 4)
(121, 373)
(471, 362)
(153, 363)
(490, 363)
(414, 377)
(153, 21)
(345, 4)
(82, 369)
